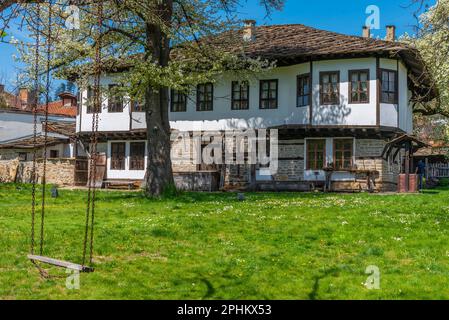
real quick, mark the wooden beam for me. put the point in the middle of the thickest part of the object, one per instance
(60, 263)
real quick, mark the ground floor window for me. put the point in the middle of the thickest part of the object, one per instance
(316, 154)
(137, 156)
(118, 155)
(54, 154)
(343, 153)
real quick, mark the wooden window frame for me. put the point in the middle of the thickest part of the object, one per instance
(140, 161)
(308, 160)
(207, 102)
(240, 100)
(113, 167)
(343, 150)
(22, 156)
(396, 89)
(261, 100)
(174, 105)
(136, 106)
(332, 103)
(115, 103)
(358, 101)
(53, 154)
(300, 93)
(90, 101)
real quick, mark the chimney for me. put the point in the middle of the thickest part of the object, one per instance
(391, 33)
(249, 31)
(24, 97)
(366, 32)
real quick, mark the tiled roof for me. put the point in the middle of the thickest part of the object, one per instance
(293, 41)
(64, 128)
(57, 108)
(28, 142)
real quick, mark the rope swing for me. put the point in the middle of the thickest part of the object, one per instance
(88, 240)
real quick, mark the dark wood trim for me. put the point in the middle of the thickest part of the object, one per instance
(240, 100)
(260, 93)
(378, 91)
(334, 156)
(350, 72)
(292, 158)
(321, 87)
(311, 94)
(130, 105)
(306, 156)
(198, 98)
(172, 94)
(397, 90)
(396, 80)
(298, 78)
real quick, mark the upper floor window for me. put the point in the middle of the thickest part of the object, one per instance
(90, 102)
(137, 105)
(303, 90)
(343, 154)
(359, 86)
(316, 154)
(205, 97)
(389, 81)
(178, 101)
(329, 88)
(240, 95)
(115, 100)
(269, 94)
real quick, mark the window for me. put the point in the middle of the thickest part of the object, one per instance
(22, 156)
(240, 95)
(389, 86)
(137, 156)
(178, 102)
(359, 86)
(137, 105)
(90, 101)
(269, 94)
(115, 101)
(329, 88)
(303, 90)
(54, 154)
(205, 97)
(316, 154)
(118, 155)
(343, 153)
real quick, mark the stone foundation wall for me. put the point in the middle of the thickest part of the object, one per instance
(58, 171)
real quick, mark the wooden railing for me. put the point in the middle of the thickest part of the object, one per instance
(438, 170)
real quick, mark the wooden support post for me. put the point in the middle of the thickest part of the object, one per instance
(407, 166)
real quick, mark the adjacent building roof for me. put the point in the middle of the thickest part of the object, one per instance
(67, 106)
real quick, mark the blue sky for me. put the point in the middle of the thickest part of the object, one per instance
(344, 16)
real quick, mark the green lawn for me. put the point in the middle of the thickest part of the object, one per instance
(210, 246)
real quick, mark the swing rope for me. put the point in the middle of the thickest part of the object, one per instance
(35, 106)
(91, 194)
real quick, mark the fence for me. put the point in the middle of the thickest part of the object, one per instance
(438, 170)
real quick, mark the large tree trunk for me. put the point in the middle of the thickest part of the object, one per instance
(159, 175)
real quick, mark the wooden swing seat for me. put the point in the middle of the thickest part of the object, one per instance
(60, 263)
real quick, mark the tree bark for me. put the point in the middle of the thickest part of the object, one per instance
(159, 174)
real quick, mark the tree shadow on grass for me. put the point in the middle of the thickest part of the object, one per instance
(313, 295)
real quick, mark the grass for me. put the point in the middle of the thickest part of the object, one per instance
(210, 246)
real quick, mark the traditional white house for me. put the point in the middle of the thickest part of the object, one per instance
(337, 102)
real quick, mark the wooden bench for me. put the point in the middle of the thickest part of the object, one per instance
(121, 184)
